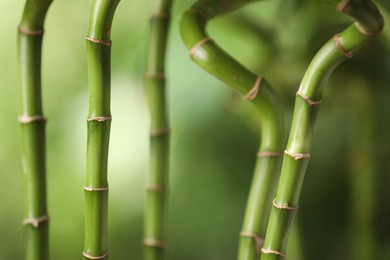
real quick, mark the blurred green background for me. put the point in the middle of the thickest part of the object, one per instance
(345, 202)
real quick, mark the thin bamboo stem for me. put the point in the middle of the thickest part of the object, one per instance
(99, 120)
(157, 180)
(32, 130)
(297, 154)
(254, 88)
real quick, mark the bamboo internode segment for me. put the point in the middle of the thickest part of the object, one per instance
(155, 75)
(252, 94)
(154, 243)
(346, 53)
(259, 241)
(308, 100)
(155, 188)
(298, 156)
(95, 188)
(284, 206)
(24, 31)
(86, 255)
(36, 221)
(198, 13)
(30, 119)
(269, 154)
(199, 44)
(159, 132)
(270, 251)
(98, 41)
(99, 118)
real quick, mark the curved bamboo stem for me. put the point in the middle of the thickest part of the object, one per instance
(297, 154)
(99, 121)
(254, 88)
(32, 130)
(157, 181)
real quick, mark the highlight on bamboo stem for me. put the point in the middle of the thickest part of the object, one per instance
(32, 130)
(254, 88)
(342, 46)
(99, 120)
(157, 179)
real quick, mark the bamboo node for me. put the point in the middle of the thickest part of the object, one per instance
(97, 41)
(164, 16)
(284, 206)
(99, 118)
(159, 132)
(155, 75)
(198, 44)
(252, 94)
(270, 251)
(307, 99)
(269, 154)
(24, 31)
(95, 188)
(36, 221)
(198, 13)
(346, 53)
(259, 241)
(341, 6)
(363, 31)
(155, 188)
(151, 242)
(298, 156)
(86, 255)
(30, 119)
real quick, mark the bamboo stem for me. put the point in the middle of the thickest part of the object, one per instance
(99, 120)
(32, 130)
(157, 180)
(297, 154)
(254, 88)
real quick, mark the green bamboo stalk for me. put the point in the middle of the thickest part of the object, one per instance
(32, 130)
(214, 60)
(99, 120)
(342, 46)
(157, 180)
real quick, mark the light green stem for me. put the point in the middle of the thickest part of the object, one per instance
(99, 120)
(297, 153)
(157, 180)
(214, 60)
(32, 130)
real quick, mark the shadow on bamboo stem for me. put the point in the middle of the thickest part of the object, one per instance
(342, 46)
(32, 130)
(157, 180)
(99, 121)
(254, 88)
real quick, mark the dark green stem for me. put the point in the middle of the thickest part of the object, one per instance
(32, 130)
(99, 121)
(157, 181)
(297, 153)
(255, 88)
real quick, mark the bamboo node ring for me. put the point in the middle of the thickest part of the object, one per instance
(270, 251)
(99, 118)
(252, 94)
(363, 31)
(164, 16)
(155, 188)
(24, 31)
(96, 188)
(151, 242)
(307, 99)
(284, 206)
(155, 75)
(269, 154)
(198, 44)
(86, 255)
(298, 156)
(346, 53)
(36, 221)
(198, 13)
(30, 119)
(159, 132)
(259, 241)
(341, 6)
(97, 41)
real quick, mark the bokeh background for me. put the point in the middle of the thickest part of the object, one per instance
(345, 202)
